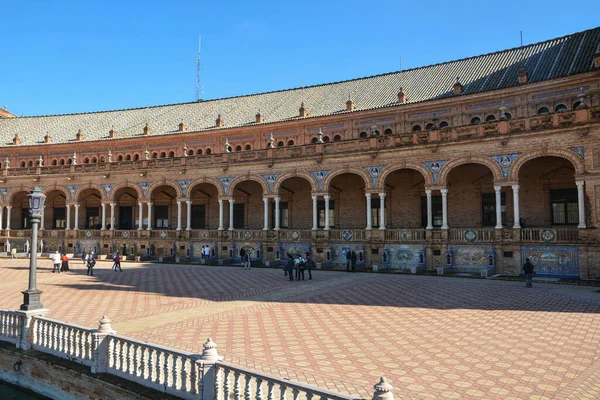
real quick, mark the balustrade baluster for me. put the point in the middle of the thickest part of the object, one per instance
(158, 366)
(226, 385)
(309, 396)
(218, 373)
(193, 377)
(88, 346)
(247, 391)
(111, 352)
(68, 340)
(142, 367)
(259, 394)
(271, 390)
(175, 371)
(44, 331)
(295, 394)
(53, 336)
(237, 395)
(165, 371)
(119, 355)
(184, 374)
(282, 390)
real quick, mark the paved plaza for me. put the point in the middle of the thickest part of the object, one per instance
(432, 337)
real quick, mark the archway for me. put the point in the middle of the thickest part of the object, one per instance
(126, 209)
(164, 202)
(295, 206)
(248, 208)
(205, 206)
(347, 205)
(405, 202)
(19, 214)
(55, 211)
(90, 208)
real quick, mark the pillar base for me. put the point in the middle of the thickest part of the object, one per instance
(581, 226)
(31, 300)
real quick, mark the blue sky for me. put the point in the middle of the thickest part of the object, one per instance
(78, 56)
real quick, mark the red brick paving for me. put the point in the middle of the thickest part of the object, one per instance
(432, 337)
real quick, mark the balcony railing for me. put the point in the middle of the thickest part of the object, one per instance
(405, 235)
(550, 235)
(476, 235)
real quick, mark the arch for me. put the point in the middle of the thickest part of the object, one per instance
(560, 108)
(396, 167)
(86, 160)
(416, 128)
(337, 138)
(488, 162)
(15, 191)
(119, 157)
(357, 171)
(122, 185)
(259, 179)
(280, 143)
(30, 163)
(128, 157)
(388, 131)
(198, 152)
(543, 110)
(238, 148)
(173, 184)
(136, 157)
(54, 162)
(89, 185)
(208, 151)
(475, 120)
(326, 139)
(163, 154)
(490, 118)
(363, 135)
(22, 164)
(311, 180)
(314, 140)
(61, 189)
(577, 162)
(171, 154)
(210, 181)
(444, 124)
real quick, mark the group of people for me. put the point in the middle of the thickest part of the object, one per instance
(350, 261)
(60, 262)
(116, 262)
(246, 258)
(205, 252)
(297, 266)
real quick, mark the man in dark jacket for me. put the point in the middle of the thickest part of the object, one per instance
(528, 270)
(353, 261)
(289, 267)
(309, 264)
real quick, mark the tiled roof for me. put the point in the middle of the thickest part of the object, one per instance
(555, 58)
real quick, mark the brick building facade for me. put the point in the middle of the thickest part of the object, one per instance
(470, 165)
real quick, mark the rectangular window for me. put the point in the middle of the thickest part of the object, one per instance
(488, 208)
(198, 216)
(375, 212)
(25, 218)
(161, 217)
(93, 218)
(239, 215)
(436, 211)
(283, 214)
(565, 208)
(60, 221)
(321, 213)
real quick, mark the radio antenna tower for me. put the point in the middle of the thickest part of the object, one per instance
(199, 89)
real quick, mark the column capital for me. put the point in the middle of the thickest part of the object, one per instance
(368, 195)
(149, 203)
(9, 207)
(277, 198)
(515, 187)
(188, 202)
(444, 192)
(231, 200)
(428, 192)
(382, 195)
(580, 184)
(326, 196)
(314, 197)
(497, 188)
(76, 205)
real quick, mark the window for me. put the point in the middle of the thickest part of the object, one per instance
(543, 110)
(92, 218)
(120, 158)
(25, 218)
(30, 163)
(238, 148)
(239, 215)
(86, 160)
(429, 126)
(69, 161)
(363, 135)
(290, 142)
(280, 144)
(576, 104)
(560, 108)
(416, 128)
(198, 216)
(436, 211)
(102, 159)
(163, 155)
(475, 120)
(54, 162)
(161, 219)
(283, 214)
(490, 118)
(388, 131)
(136, 157)
(247, 147)
(337, 138)
(565, 210)
(326, 139)
(171, 154)
(507, 115)
(207, 152)
(321, 213)
(22, 164)
(375, 212)
(155, 155)
(443, 124)
(191, 152)
(488, 208)
(59, 218)
(314, 140)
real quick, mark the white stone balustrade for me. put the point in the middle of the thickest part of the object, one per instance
(63, 340)
(9, 326)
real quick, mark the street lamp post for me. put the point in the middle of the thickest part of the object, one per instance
(31, 296)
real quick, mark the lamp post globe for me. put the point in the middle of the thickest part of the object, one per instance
(31, 296)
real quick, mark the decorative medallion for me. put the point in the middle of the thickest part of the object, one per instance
(4, 192)
(163, 234)
(72, 190)
(579, 150)
(144, 186)
(547, 235)
(125, 234)
(203, 234)
(320, 177)
(89, 234)
(295, 235)
(107, 188)
(347, 235)
(248, 235)
(20, 233)
(271, 178)
(374, 173)
(183, 184)
(470, 235)
(435, 167)
(54, 233)
(404, 235)
(505, 161)
(225, 182)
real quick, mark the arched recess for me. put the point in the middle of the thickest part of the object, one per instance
(204, 196)
(61, 189)
(126, 198)
(13, 194)
(573, 157)
(488, 162)
(90, 198)
(55, 208)
(405, 200)
(172, 184)
(259, 179)
(131, 185)
(19, 218)
(248, 210)
(311, 180)
(347, 204)
(163, 196)
(295, 206)
(206, 180)
(395, 167)
(356, 171)
(87, 186)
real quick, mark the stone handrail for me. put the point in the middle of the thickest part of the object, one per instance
(9, 326)
(235, 382)
(160, 368)
(338, 235)
(405, 235)
(563, 235)
(63, 340)
(476, 235)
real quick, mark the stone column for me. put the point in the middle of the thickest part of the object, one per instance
(315, 214)
(140, 216)
(498, 189)
(178, 215)
(517, 224)
(266, 214)
(429, 210)
(368, 196)
(112, 216)
(277, 213)
(231, 203)
(444, 208)
(42, 224)
(189, 215)
(220, 214)
(68, 227)
(8, 208)
(581, 203)
(103, 227)
(382, 211)
(149, 228)
(76, 224)
(326, 197)
(1, 214)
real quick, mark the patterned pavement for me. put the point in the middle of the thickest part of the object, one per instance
(432, 337)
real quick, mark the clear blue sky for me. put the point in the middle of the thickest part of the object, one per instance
(77, 56)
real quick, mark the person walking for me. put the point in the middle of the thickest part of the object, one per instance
(348, 260)
(91, 262)
(56, 259)
(309, 265)
(289, 267)
(65, 263)
(83, 256)
(528, 269)
(353, 261)
(117, 262)
(13, 253)
(300, 265)
(202, 252)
